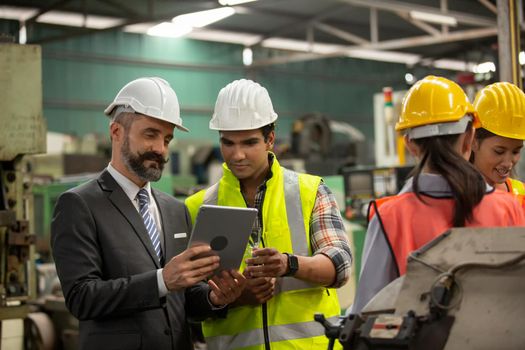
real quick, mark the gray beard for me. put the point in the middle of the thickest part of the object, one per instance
(135, 164)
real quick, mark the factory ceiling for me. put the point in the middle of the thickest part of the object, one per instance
(406, 31)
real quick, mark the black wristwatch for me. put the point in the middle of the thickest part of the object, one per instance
(293, 265)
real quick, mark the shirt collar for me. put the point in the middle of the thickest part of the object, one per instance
(128, 186)
(433, 184)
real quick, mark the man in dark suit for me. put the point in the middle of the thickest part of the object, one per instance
(119, 245)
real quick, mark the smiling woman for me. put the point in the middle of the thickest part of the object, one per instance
(499, 140)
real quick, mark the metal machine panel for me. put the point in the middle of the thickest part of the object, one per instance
(463, 290)
(22, 132)
(23, 128)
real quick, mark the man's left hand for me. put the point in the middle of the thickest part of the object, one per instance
(226, 287)
(266, 262)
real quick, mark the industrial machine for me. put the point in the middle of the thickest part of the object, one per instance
(389, 144)
(23, 132)
(363, 184)
(322, 146)
(463, 290)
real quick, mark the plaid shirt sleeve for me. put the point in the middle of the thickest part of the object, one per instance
(328, 235)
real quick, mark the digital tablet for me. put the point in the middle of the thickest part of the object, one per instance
(227, 230)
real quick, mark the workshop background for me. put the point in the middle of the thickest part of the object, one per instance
(336, 71)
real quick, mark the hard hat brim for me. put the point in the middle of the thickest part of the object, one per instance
(109, 110)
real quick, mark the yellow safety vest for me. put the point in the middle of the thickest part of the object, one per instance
(289, 315)
(517, 189)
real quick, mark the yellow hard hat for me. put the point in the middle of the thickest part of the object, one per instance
(434, 100)
(501, 110)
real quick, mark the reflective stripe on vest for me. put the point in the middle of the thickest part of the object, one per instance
(278, 333)
(212, 195)
(294, 210)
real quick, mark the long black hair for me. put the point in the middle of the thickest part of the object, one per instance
(468, 186)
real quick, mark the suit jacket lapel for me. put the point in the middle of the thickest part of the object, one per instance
(119, 199)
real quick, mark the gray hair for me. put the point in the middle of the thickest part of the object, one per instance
(121, 115)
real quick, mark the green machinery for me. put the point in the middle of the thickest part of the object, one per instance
(45, 197)
(22, 132)
(356, 230)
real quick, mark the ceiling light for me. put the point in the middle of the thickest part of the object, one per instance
(300, 45)
(78, 20)
(203, 18)
(244, 39)
(17, 13)
(384, 56)
(169, 30)
(409, 78)
(434, 18)
(485, 67)
(450, 64)
(247, 56)
(233, 2)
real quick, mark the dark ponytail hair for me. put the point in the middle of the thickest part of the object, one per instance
(467, 184)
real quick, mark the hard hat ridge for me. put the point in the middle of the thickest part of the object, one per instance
(152, 97)
(501, 109)
(242, 105)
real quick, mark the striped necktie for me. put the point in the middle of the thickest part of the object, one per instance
(151, 226)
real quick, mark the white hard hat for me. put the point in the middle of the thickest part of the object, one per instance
(242, 105)
(152, 97)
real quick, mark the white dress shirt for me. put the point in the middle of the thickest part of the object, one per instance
(131, 190)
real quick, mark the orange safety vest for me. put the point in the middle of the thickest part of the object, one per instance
(376, 203)
(408, 223)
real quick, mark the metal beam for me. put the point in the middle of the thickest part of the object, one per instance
(521, 15)
(294, 57)
(374, 26)
(382, 45)
(341, 34)
(431, 40)
(490, 6)
(310, 37)
(121, 8)
(508, 42)
(444, 10)
(300, 23)
(395, 6)
(51, 7)
(84, 31)
(420, 24)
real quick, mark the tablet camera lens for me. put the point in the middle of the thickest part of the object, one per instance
(219, 243)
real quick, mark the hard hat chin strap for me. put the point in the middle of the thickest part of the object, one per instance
(440, 129)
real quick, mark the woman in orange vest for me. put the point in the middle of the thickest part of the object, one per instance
(445, 190)
(499, 140)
